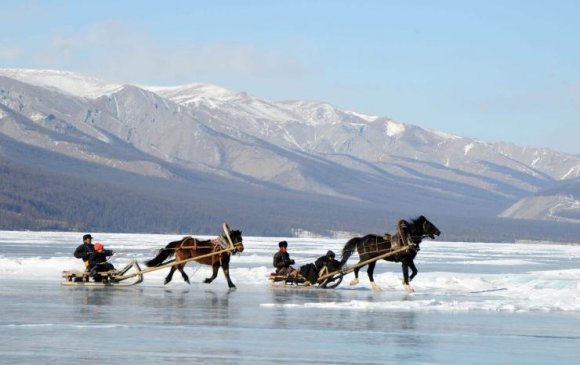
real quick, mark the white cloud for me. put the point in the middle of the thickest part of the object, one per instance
(114, 51)
(8, 53)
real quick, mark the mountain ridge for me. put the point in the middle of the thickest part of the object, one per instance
(302, 147)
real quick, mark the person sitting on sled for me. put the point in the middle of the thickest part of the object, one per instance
(85, 249)
(282, 261)
(98, 261)
(311, 271)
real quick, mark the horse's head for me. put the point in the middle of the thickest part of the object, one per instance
(428, 228)
(237, 240)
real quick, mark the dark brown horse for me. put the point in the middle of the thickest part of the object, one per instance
(409, 234)
(189, 247)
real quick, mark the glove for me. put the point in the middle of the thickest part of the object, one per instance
(291, 262)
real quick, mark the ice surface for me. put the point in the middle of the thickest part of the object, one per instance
(521, 300)
(454, 276)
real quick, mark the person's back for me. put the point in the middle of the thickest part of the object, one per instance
(311, 271)
(327, 261)
(97, 261)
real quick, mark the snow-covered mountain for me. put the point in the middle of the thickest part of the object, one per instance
(63, 81)
(558, 203)
(298, 146)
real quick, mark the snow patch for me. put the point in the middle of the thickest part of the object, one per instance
(445, 135)
(64, 81)
(467, 148)
(37, 116)
(394, 128)
(574, 172)
(193, 93)
(367, 117)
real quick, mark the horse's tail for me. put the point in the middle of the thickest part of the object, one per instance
(163, 254)
(348, 249)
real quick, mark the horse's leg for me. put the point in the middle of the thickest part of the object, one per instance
(170, 275)
(355, 280)
(226, 270)
(214, 274)
(413, 269)
(405, 267)
(370, 273)
(183, 274)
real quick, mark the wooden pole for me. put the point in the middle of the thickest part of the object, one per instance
(350, 269)
(155, 268)
(226, 229)
(173, 263)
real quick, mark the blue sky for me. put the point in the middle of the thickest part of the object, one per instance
(494, 70)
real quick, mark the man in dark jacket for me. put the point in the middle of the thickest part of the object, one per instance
(84, 250)
(311, 271)
(282, 260)
(98, 261)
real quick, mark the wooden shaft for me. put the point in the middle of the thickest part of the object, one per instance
(173, 263)
(155, 268)
(227, 232)
(350, 269)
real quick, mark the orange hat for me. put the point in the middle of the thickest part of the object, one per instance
(98, 247)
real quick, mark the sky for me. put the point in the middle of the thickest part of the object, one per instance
(493, 70)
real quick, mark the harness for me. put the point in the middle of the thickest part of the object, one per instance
(217, 244)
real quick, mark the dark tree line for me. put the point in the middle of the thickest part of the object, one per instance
(33, 198)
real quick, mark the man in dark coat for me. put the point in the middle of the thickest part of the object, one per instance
(282, 261)
(311, 271)
(84, 250)
(98, 261)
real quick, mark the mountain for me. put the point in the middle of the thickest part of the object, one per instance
(558, 203)
(311, 165)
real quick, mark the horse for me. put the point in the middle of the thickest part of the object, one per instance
(409, 234)
(189, 247)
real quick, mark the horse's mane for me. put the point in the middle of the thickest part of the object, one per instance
(414, 223)
(415, 220)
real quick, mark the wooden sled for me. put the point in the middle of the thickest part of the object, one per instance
(287, 281)
(325, 279)
(108, 278)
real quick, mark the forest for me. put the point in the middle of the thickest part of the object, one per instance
(36, 198)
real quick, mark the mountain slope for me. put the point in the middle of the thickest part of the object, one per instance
(309, 153)
(558, 203)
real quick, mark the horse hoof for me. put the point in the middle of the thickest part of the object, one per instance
(354, 282)
(166, 282)
(375, 287)
(408, 289)
(207, 281)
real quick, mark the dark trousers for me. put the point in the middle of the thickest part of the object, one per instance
(104, 266)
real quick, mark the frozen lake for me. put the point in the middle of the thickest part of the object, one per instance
(475, 303)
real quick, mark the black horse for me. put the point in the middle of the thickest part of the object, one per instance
(409, 234)
(189, 248)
